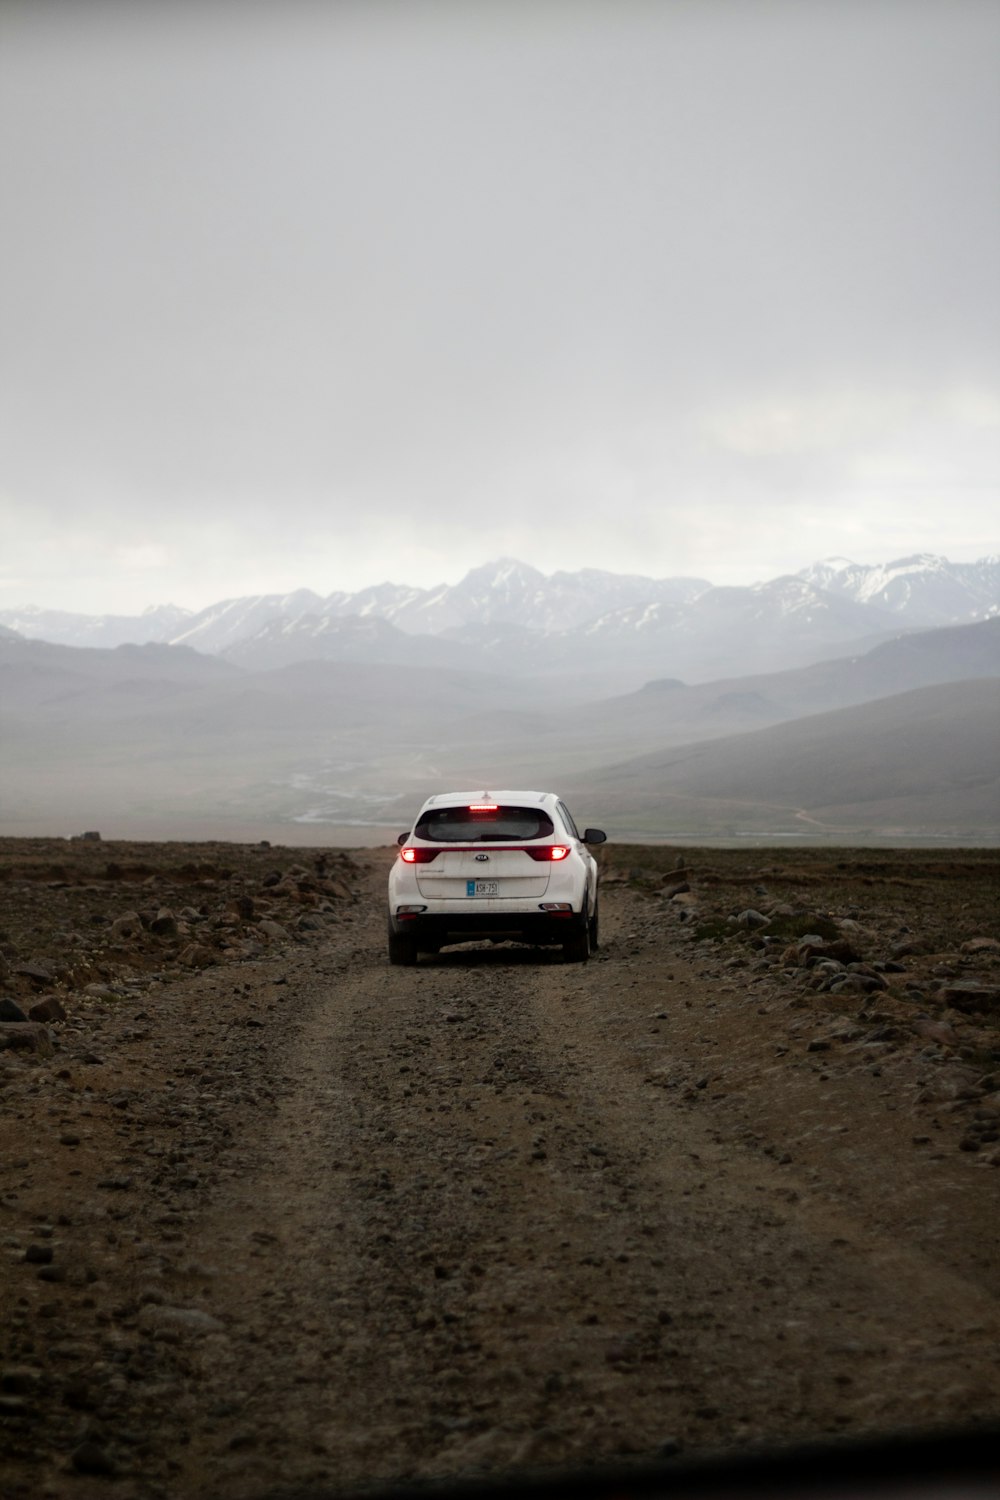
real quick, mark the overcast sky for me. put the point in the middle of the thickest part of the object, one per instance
(320, 295)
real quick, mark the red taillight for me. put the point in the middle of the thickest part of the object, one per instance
(548, 851)
(412, 856)
(484, 806)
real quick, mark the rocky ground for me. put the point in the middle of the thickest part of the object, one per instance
(277, 1218)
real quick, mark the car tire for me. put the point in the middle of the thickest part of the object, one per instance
(595, 933)
(576, 948)
(402, 948)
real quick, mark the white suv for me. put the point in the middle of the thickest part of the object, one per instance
(493, 865)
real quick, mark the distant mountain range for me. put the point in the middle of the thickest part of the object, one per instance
(923, 590)
(64, 628)
(161, 740)
(587, 632)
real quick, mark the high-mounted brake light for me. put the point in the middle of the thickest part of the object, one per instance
(548, 851)
(411, 856)
(484, 806)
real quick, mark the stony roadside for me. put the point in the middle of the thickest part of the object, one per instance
(277, 1218)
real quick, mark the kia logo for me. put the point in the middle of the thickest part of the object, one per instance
(482, 858)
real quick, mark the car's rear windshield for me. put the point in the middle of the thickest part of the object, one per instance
(467, 825)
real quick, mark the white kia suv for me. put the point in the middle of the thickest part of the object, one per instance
(493, 865)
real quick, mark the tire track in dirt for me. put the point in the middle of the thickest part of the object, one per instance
(476, 1239)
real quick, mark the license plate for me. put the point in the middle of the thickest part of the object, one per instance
(482, 887)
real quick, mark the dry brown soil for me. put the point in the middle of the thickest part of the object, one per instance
(275, 1215)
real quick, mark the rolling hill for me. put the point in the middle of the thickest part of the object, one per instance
(924, 761)
(167, 734)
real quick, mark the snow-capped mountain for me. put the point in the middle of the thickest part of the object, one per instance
(782, 600)
(60, 627)
(221, 625)
(726, 631)
(380, 601)
(731, 631)
(508, 616)
(498, 593)
(926, 590)
(508, 592)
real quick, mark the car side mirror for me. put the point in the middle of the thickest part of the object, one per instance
(594, 836)
(402, 838)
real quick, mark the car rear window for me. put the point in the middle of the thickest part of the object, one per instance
(464, 825)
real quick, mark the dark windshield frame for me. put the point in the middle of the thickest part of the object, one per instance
(463, 825)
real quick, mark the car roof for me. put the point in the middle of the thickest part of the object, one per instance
(503, 798)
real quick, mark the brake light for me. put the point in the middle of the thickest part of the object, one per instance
(484, 806)
(548, 851)
(411, 856)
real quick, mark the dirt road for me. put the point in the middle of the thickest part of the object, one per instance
(315, 1221)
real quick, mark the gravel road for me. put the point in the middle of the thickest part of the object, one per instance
(312, 1221)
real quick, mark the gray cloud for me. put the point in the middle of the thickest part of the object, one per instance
(324, 294)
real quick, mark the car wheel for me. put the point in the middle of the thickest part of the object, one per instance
(576, 948)
(402, 948)
(595, 941)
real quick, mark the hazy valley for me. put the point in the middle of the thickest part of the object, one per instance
(841, 703)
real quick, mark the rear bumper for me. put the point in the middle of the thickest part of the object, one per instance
(437, 929)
